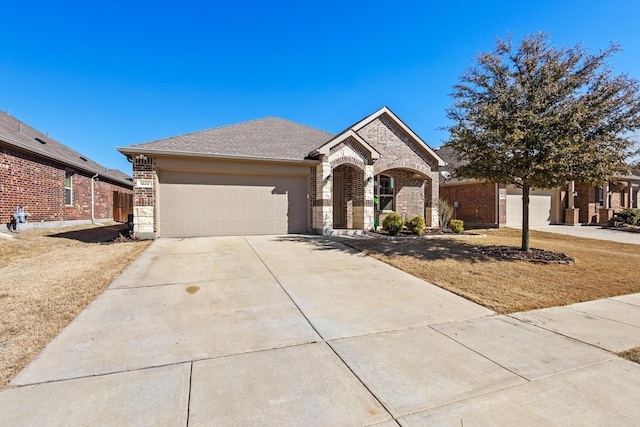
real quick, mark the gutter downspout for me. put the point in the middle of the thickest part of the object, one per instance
(497, 205)
(93, 217)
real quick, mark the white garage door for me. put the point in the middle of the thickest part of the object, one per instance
(541, 207)
(209, 204)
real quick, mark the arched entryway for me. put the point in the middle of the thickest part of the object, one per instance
(348, 197)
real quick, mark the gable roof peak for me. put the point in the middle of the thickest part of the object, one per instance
(402, 125)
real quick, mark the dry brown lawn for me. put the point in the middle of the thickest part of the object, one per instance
(602, 269)
(47, 277)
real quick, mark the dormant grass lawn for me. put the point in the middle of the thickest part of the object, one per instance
(602, 268)
(47, 277)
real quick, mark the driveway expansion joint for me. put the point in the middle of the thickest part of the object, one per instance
(480, 354)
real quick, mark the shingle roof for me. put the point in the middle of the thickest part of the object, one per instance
(269, 138)
(19, 135)
(448, 155)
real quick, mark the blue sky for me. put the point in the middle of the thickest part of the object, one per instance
(97, 75)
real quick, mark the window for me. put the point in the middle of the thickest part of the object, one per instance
(384, 191)
(67, 188)
(600, 196)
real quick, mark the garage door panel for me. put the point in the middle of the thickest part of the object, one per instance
(541, 207)
(207, 204)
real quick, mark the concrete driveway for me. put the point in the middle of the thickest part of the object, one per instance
(300, 330)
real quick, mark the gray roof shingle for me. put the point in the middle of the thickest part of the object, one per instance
(449, 156)
(19, 135)
(268, 138)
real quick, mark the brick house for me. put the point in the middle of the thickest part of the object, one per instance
(273, 176)
(56, 185)
(484, 204)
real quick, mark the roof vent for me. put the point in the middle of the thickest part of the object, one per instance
(41, 141)
(82, 158)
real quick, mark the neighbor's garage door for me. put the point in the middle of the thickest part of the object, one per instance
(541, 207)
(209, 204)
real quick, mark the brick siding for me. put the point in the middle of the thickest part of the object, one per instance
(587, 201)
(400, 156)
(409, 193)
(476, 202)
(353, 192)
(38, 184)
(144, 168)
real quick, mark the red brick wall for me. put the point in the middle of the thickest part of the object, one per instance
(38, 184)
(476, 202)
(587, 203)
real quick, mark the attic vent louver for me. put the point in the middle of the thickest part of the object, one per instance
(41, 141)
(82, 158)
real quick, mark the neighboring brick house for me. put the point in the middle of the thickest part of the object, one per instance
(484, 204)
(273, 176)
(55, 184)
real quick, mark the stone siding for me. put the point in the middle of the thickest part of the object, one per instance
(145, 218)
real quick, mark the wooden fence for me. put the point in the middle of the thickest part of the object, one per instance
(122, 206)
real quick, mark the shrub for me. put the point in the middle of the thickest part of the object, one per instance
(630, 216)
(456, 225)
(445, 211)
(415, 225)
(392, 223)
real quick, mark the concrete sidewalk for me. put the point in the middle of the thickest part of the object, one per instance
(592, 232)
(300, 330)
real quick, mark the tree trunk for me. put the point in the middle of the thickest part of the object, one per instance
(525, 219)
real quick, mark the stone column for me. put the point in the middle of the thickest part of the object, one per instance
(432, 218)
(570, 192)
(144, 197)
(572, 216)
(368, 197)
(323, 205)
(604, 215)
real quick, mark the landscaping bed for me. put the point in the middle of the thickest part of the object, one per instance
(477, 272)
(428, 234)
(48, 277)
(513, 253)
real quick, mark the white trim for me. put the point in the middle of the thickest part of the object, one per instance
(326, 148)
(169, 153)
(70, 188)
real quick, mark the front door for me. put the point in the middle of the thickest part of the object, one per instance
(338, 200)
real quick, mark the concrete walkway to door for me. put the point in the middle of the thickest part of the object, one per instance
(301, 330)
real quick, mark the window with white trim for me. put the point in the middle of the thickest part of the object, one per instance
(384, 189)
(67, 188)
